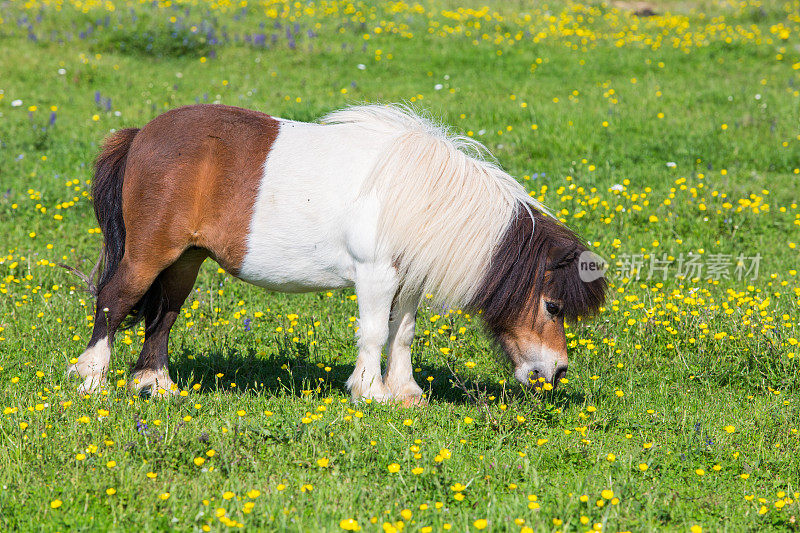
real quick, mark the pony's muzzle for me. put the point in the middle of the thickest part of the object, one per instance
(539, 373)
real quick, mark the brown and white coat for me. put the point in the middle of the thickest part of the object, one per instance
(373, 197)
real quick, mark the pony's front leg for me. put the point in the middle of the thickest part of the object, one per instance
(375, 287)
(399, 376)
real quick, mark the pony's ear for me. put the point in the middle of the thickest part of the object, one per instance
(562, 255)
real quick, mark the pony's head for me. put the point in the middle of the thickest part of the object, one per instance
(531, 287)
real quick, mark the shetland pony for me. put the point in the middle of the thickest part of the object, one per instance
(373, 197)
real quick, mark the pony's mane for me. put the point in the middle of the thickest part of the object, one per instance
(445, 206)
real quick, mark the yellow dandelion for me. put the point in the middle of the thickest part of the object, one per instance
(349, 524)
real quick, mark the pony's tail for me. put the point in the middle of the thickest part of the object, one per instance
(109, 174)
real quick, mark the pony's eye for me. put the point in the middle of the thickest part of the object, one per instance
(552, 308)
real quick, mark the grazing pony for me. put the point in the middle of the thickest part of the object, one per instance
(373, 197)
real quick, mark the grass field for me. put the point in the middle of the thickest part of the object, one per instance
(669, 142)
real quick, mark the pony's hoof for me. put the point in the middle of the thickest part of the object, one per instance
(153, 390)
(407, 393)
(156, 384)
(377, 393)
(375, 397)
(90, 384)
(373, 389)
(412, 401)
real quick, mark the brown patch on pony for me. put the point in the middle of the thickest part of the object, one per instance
(526, 331)
(549, 331)
(188, 179)
(535, 258)
(191, 180)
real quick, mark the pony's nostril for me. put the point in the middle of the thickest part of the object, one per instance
(561, 373)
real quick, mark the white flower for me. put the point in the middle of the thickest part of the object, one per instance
(16, 103)
(671, 164)
(361, 66)
(62, 71)
(617, 187)
(438, 87)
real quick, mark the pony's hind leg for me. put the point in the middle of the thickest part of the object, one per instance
(375, 288)
(399, 376)
(116, 299)
(151, 372)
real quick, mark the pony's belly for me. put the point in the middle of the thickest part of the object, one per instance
(296, 270)
(320, 281)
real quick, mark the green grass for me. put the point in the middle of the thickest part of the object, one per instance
(652, 381)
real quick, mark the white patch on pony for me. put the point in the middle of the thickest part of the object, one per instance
(309, 225)
(156, 382)
(444, 207)
(92, 366)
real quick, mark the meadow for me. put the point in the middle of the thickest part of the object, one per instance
(668, 137)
